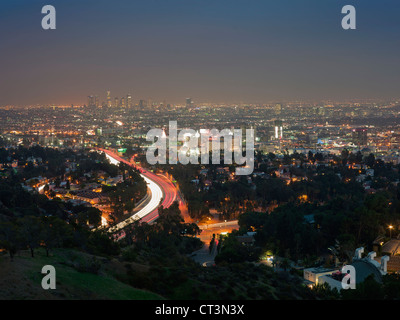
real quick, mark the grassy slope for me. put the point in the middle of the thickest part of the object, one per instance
(21, 278)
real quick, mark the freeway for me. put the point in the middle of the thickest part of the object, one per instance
(161, 189)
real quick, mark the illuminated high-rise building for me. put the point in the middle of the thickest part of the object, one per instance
(360, 136)
(91, 101)
(129, 100)
(109, 99)
(189, 103)
(278, 126)
(116, 102)
(122, 103)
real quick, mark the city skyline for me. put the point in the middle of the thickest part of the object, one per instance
(129, 100)
(249, 52)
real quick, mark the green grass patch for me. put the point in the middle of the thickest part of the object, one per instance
(73, 284)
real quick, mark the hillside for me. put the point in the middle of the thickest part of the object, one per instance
(79, 276)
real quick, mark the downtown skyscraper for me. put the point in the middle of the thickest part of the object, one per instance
(109, 99)
(129, 100)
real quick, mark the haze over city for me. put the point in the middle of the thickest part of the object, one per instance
(214, 51)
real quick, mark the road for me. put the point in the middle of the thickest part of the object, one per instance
(232, 223)
(204, 257)
(160, 187)
(208, 230)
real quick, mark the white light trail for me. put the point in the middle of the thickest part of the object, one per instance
(156, 195)
(112, 160)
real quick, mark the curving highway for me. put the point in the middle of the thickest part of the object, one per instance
(150, 207)
(160, 189)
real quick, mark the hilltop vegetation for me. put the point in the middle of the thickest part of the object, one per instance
(79, 276)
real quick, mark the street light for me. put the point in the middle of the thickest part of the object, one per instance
(390, 228)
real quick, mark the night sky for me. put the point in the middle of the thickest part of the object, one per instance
(211, 50)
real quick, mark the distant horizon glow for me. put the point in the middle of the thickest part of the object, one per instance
(219, 51)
